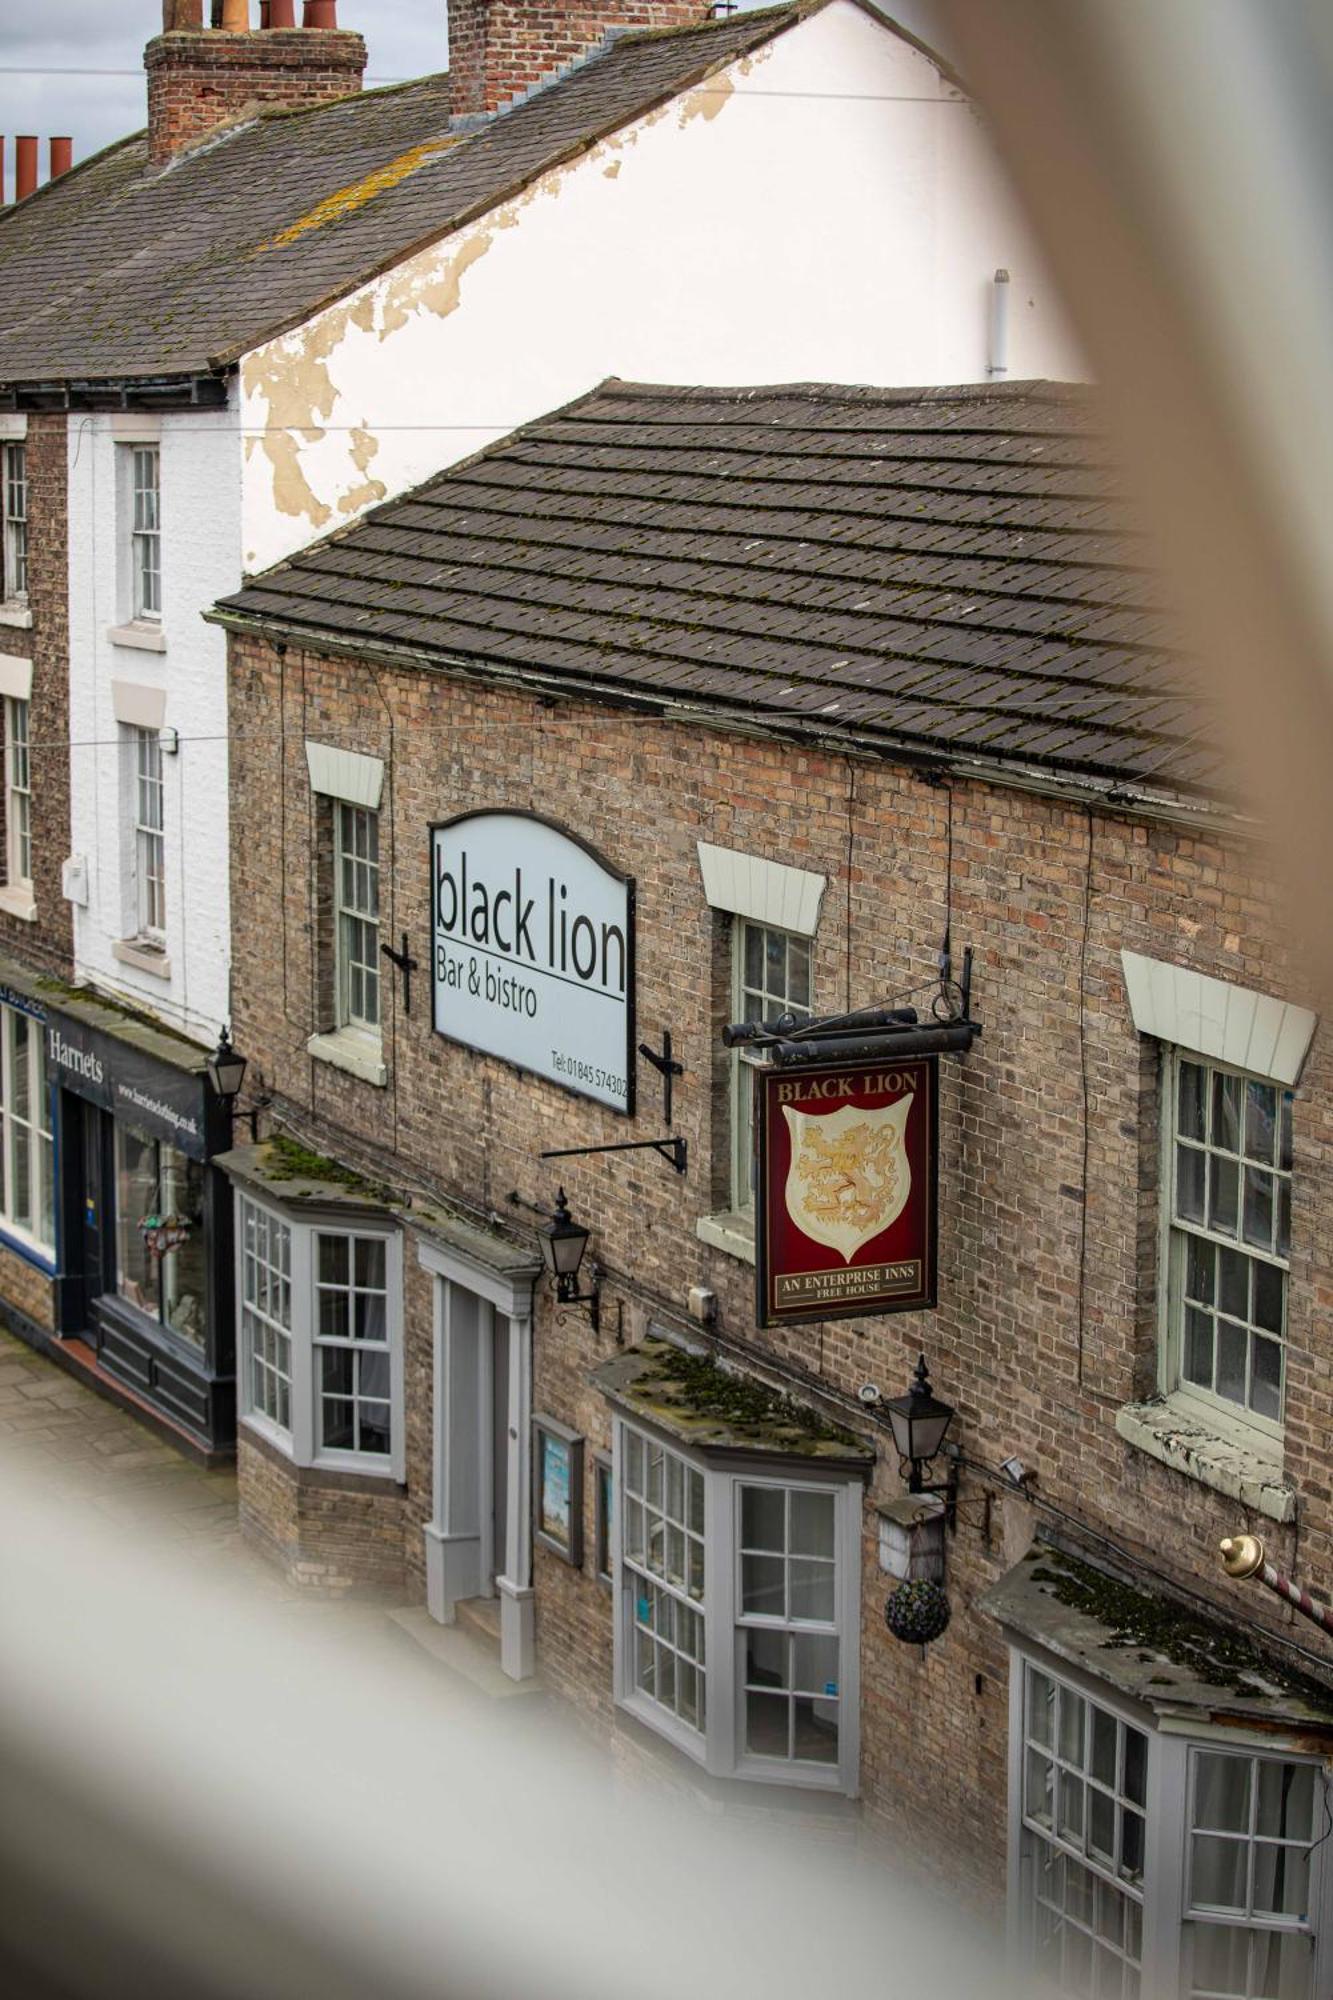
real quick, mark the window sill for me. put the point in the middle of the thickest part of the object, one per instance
(17, 616)
(142, 956)
(17, 900)
(144, 635)
(358, 1054)
(733, 1233)
(1175, 1436)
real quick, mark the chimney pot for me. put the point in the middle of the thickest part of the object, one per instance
(320, 14)
(182, 17)
(62, 157)
(281, 14)
(236, 16)
(2, 171)
(25, 177)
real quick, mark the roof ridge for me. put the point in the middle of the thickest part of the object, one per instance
(1035, 388)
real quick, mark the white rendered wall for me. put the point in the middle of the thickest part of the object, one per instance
(827, 210)
(201, 510)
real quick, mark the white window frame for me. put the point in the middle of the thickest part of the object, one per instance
(743, 1065)
(145, 525)
(1216, 1410)
(14, 502)
(350, 912)
(18, 792)
(148, 798)
(719, 1747)
(300, 1442)
(40, 1133)
(1170, 1789)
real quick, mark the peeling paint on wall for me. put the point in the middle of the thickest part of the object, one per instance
(364, 448)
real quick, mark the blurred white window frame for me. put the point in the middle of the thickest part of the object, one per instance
(295, 1317)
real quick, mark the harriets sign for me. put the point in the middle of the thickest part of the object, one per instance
(532, 951)
(847, 1183)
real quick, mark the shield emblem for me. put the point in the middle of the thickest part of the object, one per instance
(849, 1176)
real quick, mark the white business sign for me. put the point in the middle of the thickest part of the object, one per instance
(532, 952)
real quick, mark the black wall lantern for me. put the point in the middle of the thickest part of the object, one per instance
(563, 1243)
(226, 1069)
(920, 1422)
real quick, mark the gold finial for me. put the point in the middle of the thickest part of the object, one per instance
(1242, 1555)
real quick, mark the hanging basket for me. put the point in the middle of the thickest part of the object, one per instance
(917, 1612)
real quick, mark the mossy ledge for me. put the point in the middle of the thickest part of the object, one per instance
(287, 1160)
(1218, 1655)
(692, 1395)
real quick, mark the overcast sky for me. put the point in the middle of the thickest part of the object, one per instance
(76, 66)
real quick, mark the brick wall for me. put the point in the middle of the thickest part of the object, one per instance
(498, 50)
(198, 82)
(46, 943)
(330, 1531)
(26, 1289)
(1048, 1237)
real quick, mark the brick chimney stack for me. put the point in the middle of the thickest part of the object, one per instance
(498, 47)
(201, 79)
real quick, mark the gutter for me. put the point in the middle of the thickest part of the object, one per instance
(1107, 795)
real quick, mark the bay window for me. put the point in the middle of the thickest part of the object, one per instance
(1142, 1861)
(737, 1609)
(320, 1322)
(27, 1145)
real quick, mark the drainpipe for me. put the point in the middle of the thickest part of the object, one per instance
(999, 325)
(1243, 1556)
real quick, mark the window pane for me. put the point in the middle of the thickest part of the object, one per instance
(815, 1730)
(373, 1375)
(775, 963)
(334, 1323)
(1071, 1794)
(1223, 1194)
(370, 1252)
(1266, 1378)
(136, 1201)
(1189, 1183)
(754, 957)
(1198, 1361)
(812, 1524)
(812, 1592)
(1105, 1742)
(374, 1430)
(763, 1517)
(1218, 1881)
(1269, 1287)
(1039, 1788)
(762, 1591)
(1041, 1707)
(1226, 1111)
(1190, 1101)
(338, 1433)
(694, 1494)
(767, 1719)
(1286, 1801)
(1260, 1121)
(1281, 1879)
(1233, 1283)
(798, 972)
(815, 1664)
(1071, 1727)
(1232, 1348)
(1131, 1845)
(336, 1365)
(1283, 1243)
(1136, 1766)
(767, 1659)
(1258, 1219)
(1101, 1826)
(1284, 1140)
(1200, 1262)
(633, 1462)
(1221, 1793)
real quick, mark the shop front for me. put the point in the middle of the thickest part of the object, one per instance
(143, 1219)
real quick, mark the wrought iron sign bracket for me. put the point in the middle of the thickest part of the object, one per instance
(874, 1034)
(667, 1067)
(406, 964)
(673, 1150)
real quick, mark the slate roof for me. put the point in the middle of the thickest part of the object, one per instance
(946, 572)
(119, 272)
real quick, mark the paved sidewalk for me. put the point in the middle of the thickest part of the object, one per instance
(70, 1443)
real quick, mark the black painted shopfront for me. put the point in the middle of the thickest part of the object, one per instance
(144, 1236)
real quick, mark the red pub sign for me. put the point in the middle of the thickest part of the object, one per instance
(847, 1189)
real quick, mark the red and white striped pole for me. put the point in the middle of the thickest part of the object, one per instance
(1243, 1555)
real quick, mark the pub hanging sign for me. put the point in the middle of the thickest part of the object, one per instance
(846, 1206)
